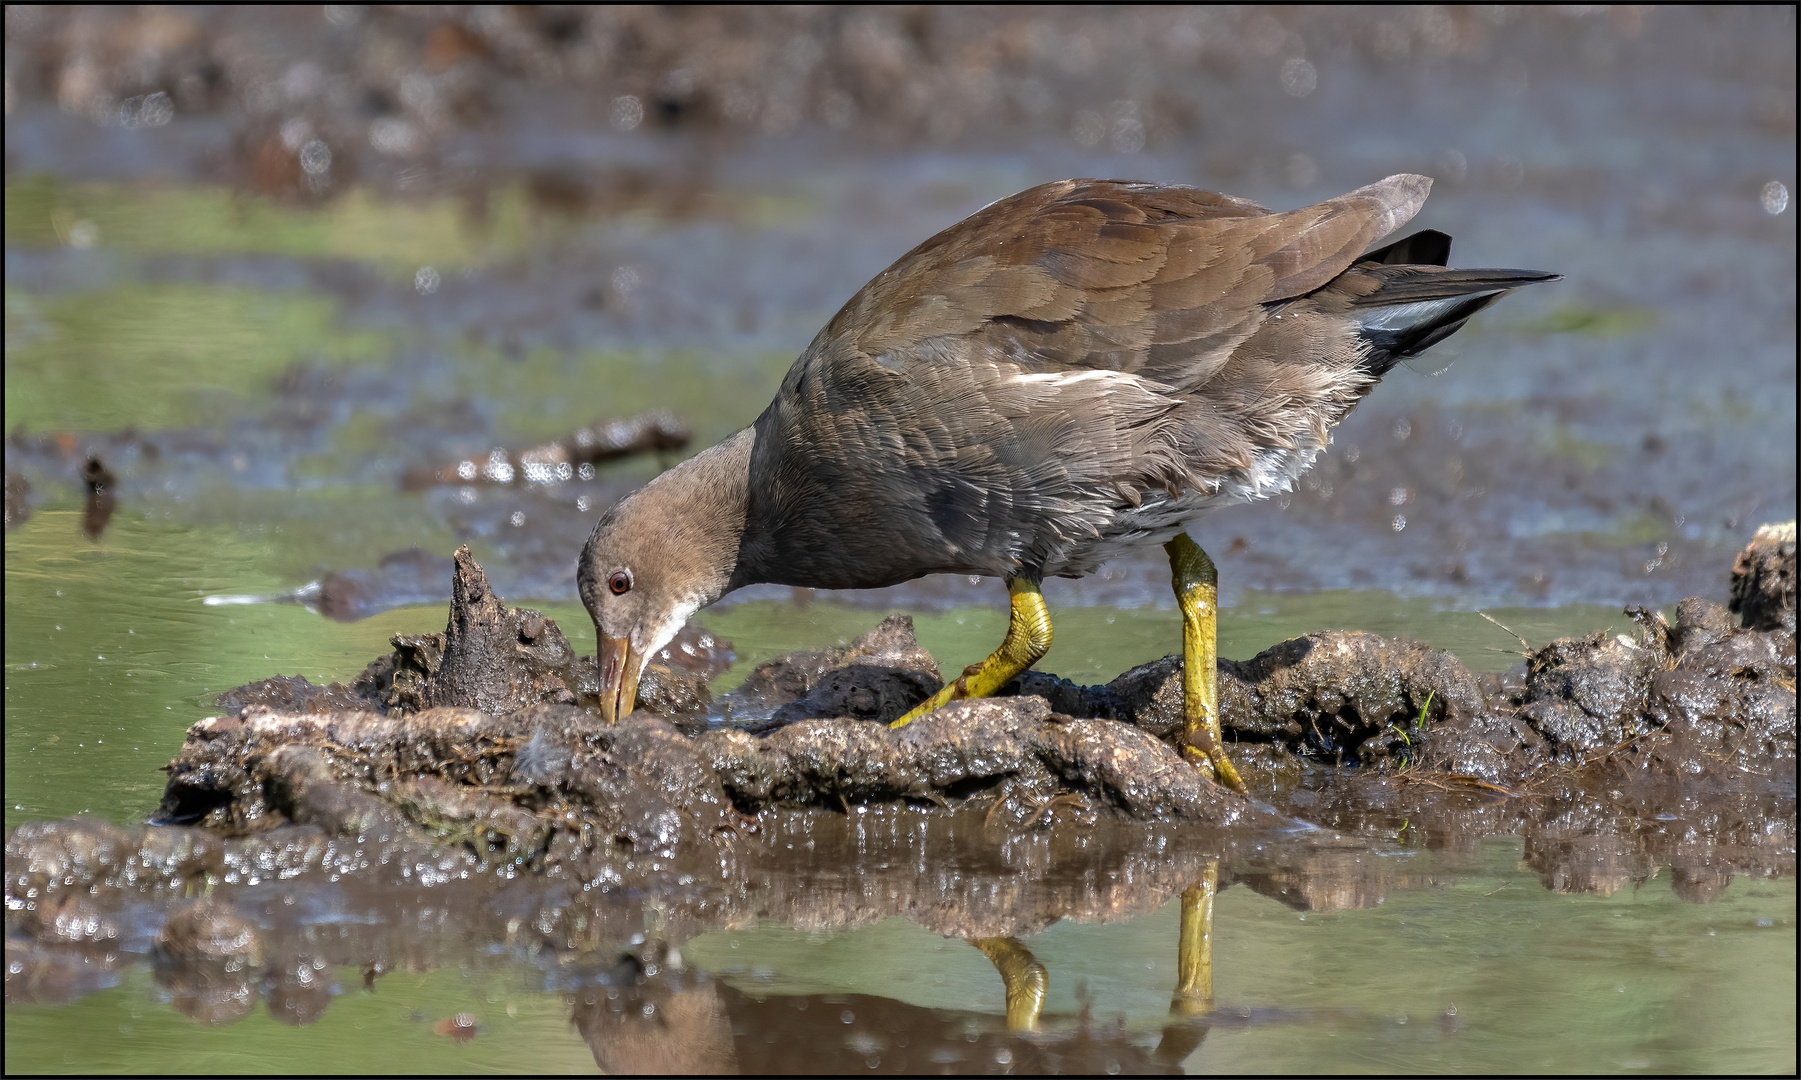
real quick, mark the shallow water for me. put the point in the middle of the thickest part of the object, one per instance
(258, 373)
(1467, 963)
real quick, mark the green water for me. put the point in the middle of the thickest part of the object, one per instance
(1636, 982)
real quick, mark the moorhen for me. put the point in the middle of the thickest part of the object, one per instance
(1080, 369)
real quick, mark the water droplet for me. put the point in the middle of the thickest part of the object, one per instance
(1774, 197)
(627, 112)
(1128, 135)
(315, 158)
(1299, 78)
(391, 135)
(1399, 523)
(1087, 128)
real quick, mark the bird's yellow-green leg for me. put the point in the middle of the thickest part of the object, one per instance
(1196, 582)
(1028, 638)
(1194, 947)
(1025, 979)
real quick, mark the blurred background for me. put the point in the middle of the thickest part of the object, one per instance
(300, 298)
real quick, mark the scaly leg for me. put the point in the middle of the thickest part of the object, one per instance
(1196, 582)
(1025, 979)
(1193, 998)
(1028, 638)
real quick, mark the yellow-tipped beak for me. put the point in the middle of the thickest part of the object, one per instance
(619, 666)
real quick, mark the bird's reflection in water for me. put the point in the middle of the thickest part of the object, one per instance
(651, 1014)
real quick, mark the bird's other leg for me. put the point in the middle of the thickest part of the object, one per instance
(1193, 998)
(1196, 582)
(1028, 638)
(1025, 979)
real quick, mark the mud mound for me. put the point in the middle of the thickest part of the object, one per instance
(477, 735)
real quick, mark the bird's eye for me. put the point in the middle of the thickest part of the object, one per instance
(620, 581)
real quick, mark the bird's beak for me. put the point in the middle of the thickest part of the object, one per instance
(619, 666)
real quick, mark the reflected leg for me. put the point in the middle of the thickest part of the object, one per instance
(1028, 638)
(1194, 946)
(1025, 979)
(1193, 998)
(1196, 583)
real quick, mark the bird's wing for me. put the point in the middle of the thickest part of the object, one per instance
(989, 402)
(1162, 282)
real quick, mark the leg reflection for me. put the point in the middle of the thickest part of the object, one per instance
(1194, 948)
(1025, 979)
(1193, 998)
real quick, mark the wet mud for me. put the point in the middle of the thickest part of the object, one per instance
(463, 780)
(495, 703)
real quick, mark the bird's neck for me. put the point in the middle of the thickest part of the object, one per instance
(698, 509)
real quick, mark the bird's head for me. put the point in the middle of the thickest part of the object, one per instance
(658, 556)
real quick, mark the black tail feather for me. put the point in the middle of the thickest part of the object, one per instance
(1428, 247)
(1419, 305)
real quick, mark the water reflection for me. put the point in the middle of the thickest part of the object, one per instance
(654, 979)
(101, 500)
(655, 1016)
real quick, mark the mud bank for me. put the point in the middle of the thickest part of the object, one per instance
(486, 722)
(461, 781)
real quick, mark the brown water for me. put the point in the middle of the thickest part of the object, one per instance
(258, 367)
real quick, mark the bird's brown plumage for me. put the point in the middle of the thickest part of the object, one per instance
(1009, 396)
(1071, 371)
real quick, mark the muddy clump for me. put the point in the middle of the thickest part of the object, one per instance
(494, 658)
(1343, 696)
(490, 657)
(879, 676)
(1007, 747)
(1763, 580)
(548, 785)
(1700, 697)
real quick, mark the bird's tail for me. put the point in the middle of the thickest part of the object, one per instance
(1417, 303)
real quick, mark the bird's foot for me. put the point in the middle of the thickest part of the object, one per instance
(1215, 766)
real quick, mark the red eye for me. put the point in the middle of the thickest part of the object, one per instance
(620, 581)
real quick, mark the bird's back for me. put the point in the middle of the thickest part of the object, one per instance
(1083, 366)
